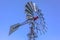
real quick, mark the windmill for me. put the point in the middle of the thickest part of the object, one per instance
(34, 18)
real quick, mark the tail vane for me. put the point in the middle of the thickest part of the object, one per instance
(13, 28)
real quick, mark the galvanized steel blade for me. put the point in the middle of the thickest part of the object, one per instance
(29, 8)
(42, 22)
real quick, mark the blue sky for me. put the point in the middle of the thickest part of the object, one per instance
(12, 11)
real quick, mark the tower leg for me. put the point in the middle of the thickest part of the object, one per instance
(32, 34)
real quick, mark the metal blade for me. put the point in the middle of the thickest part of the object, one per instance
(27, 11)
(29, 8)
(30, 4)
(43, 27)
(35, 7)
